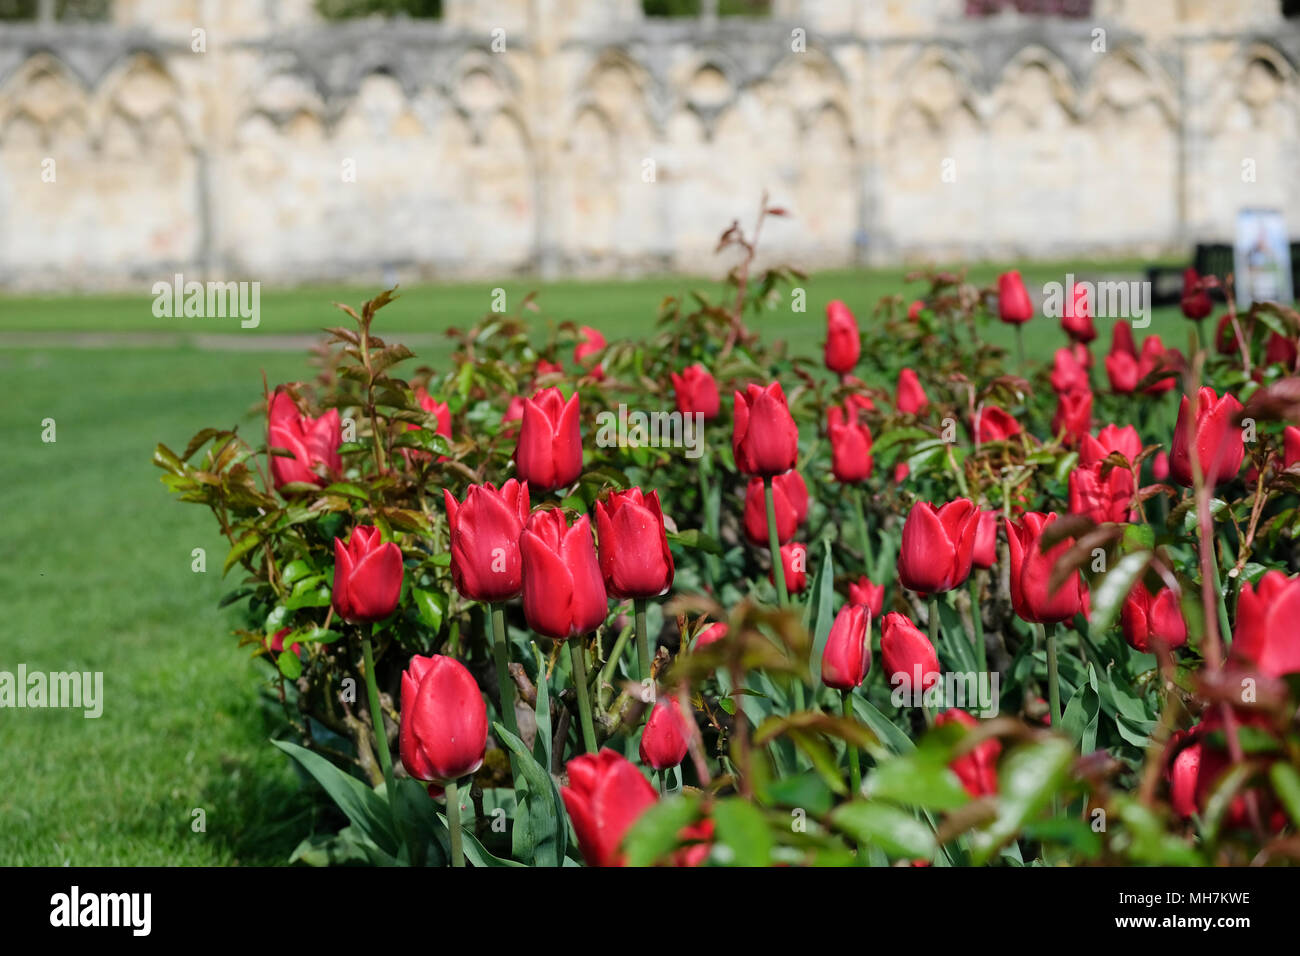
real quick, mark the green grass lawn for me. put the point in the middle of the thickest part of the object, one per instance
(95, 558)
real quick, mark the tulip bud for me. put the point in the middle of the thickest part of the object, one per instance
(710, 635)
(856, 405)
(696, 391)
(794, 562)
(1290, 446)
(1122, 361)
(605, 796)
(1149, 620)
(1073, 418)
(914, 310)
(911, 398)
(367, 576)
(485, 561)
(1031, 572)
(1265, 635)
(847, 655)
(314, 443)
(549, 453)
(1196, 301)
(843, 341)
(977, 769)
(938, 546)
(1280, 351)
(764, 437)
(441, 411)
(1102, 492)
(870, 595)
(443, 730)
(1068, 375)
(1218, 439)
(851, 460)
(1110, 439)
(1077, 320)
(994, 424)
(1155, 358)
(591, 343)
(634, 556)
(564, 591)
(906, 652)
(666, 737)
(1014, 304)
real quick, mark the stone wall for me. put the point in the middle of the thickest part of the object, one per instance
(578, 137)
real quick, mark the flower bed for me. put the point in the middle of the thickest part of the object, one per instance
(689, 600)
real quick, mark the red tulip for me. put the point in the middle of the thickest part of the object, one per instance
(901, 471)
(314, 443)
(514, 412)
(591, 343)
(755, 516)
(1218, 439)
(1290, 446)
(545, 367)
(843, 341)
(1266, 632)
(847, 655)
(710, 635)
(1073, 418)
(1102, 492)
(666, 737)
(906, 651)
(1067, 374)
(564, 592)
(605, 796)
(1198, 767)
(1077, 321)
(911, 398)
(1122, 362)
(549, 454)
(938, 546)
(367, 576)
(764, 437)
(441, 411)
(1014, 305)
(994, 424)
(1280, 351)
(796, 490)
(1081, 354)
(697, 392)
(977, 769)
(443, 731)
(276, 644)
(1152, 619)
(1196, 301)
(794, 562)
(485, 561)
(1160, 465)
(1156, 358)
(985, 552)
(1031, 572)
(870, 595)
(634, 555)
(1112, 438)
(853, 411)
(851, 460)
(914, 310)
(1226, 341)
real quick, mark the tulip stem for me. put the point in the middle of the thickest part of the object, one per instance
(1020, 345)
(642, 641)
(1053, 684)
(376, 714)
(855, 768)
(1225, 629)
(501, 652)
(453, 823)
(863, 534)
(977, 619)
(774, 544)
(577, 656)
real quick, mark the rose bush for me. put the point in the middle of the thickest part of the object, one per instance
(419, 568)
